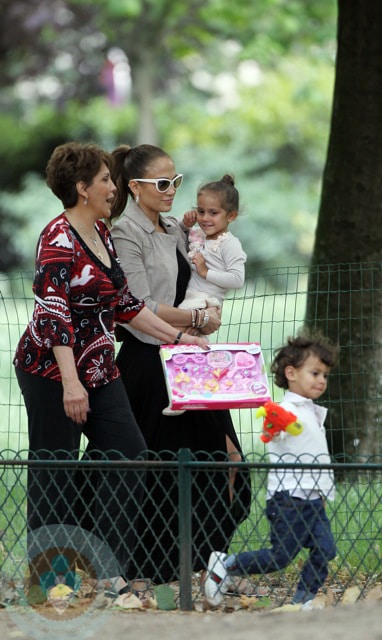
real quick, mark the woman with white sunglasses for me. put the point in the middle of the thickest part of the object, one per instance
(152, 248)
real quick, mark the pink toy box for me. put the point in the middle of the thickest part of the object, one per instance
(228, 376)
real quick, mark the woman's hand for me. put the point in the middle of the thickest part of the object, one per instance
(199, 341)
(76, 401)
(214, 322)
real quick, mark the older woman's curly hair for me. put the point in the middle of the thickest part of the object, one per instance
(71, 163)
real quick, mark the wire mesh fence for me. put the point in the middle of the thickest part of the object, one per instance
(268, 310)
(355, 517)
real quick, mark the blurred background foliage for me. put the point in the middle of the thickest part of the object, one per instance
(243, 87)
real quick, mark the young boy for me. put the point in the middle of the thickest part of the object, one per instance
(295, 497)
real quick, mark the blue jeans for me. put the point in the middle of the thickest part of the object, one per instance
(294, 524)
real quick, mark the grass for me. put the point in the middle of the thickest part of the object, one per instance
(356, 520)
(266, 311)
(13, 522)
(258, 313)
(14, 315)
(355, 515)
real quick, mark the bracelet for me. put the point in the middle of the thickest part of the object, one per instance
(193, 318)
(206, 318)
(178, 337)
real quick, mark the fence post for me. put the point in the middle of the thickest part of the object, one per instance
(185, 530)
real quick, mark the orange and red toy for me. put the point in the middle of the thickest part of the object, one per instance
(277, 419)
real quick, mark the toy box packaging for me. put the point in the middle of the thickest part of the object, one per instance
(228, 376)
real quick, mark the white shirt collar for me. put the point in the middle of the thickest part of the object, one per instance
(290, 396)
(296, 399)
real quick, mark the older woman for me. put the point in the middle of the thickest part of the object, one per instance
(65, 360)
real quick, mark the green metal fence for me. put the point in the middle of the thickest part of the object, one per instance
(268, 309)
(355, 515)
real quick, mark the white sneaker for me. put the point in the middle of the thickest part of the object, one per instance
(217, 581)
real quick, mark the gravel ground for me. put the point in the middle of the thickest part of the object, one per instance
(97, 618)
(350, 622)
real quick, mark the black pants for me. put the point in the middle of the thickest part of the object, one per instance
(105, 502)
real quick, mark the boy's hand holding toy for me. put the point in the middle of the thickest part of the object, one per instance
(277, 419)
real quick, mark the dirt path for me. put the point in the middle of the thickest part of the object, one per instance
(359, 621)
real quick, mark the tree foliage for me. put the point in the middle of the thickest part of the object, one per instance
(53, 51)
(204, 77)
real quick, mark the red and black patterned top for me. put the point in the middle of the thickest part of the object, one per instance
(77, 301)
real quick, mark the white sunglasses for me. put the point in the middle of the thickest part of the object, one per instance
(163, 184)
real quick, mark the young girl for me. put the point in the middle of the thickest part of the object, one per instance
(219, 262)
(217, 255)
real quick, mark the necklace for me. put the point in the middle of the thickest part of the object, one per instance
(94, 241)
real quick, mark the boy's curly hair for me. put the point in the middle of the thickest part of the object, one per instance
(299, 348)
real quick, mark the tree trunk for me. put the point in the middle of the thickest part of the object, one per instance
(345, 292)
(143, 88)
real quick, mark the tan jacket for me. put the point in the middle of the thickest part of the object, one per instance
(149, 258)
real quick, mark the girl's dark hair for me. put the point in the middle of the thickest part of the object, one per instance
(130, 163)
(225, 188)
(74, 162)
(296, 351)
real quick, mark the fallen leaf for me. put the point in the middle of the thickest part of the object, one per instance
(329, 598)
(247, 602)
(165, 597)
(149, 602)
(286, 607)
(351, 595)
(375, 594)
(35, 595)
(128, 601)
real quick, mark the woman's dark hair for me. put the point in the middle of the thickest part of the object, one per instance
(71, 163)
(225, 188)
(298, 349)
(130, 163)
